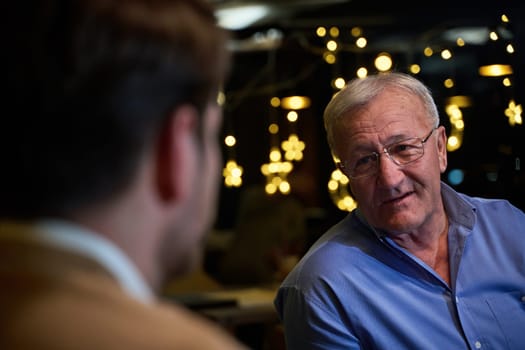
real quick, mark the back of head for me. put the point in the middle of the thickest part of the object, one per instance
(361, 91)
(91, 84)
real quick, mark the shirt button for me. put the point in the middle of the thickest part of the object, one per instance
(477, 344)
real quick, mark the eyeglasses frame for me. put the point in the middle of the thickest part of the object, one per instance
(342, 167)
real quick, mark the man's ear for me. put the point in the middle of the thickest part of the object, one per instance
(442, 148)
(176, 154)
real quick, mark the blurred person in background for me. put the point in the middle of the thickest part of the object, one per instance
(110, 170)
(417, 265)
(269, 236)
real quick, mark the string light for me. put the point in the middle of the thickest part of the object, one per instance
(338, 190)
(383, 62)
(513, 112)
(455, 139)
(293, 148)
(276, 172)
(232, 172)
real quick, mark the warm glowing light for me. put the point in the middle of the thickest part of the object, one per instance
(460, 42)
(338, 189)
(504, 18)
(293, 148)
(232, 174)
(340, 177)
(331, 45)
(513, 112)
(273, 168)
(452, 143)
(459, 101)
(320, 31)
(415, 68)
(221, 98)
(495, 70)
(356, 31)
(448, 83)
(329, 57)
(362, 72)
(347, 203)
(339, 83)
(446, 54)
(284, 187)
(292, 116)
(334, 32)
(507, 82)
(509, 48)
(459, 124)
(275, 102)
(275, 154)
(295, 102)
(453, 112)
(455, 115)
(493, 36)
(273, 128)
(361, 42)
(428, 51)
(383, 62)
(276, 173)
(230, 140)
(270, 188)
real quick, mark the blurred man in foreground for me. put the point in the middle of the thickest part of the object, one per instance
(110, 169)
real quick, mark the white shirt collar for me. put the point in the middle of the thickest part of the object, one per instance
(83, 241)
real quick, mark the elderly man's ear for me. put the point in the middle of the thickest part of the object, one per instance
(442, 148)
(177, 154)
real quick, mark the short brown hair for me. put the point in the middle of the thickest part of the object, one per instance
(91, 82)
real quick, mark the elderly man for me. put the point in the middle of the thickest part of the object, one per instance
(416, 265)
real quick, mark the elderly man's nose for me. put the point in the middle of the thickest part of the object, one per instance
(388, 172)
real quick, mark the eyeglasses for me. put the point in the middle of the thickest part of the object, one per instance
(401, 153)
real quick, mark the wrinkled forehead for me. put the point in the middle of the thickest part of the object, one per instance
(391, 115)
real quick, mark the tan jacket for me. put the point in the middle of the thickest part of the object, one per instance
(53, 299)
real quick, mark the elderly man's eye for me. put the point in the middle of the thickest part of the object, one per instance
(365, 161)
(403, 148)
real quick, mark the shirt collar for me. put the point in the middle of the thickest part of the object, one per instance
(81, 240)
(458, 209)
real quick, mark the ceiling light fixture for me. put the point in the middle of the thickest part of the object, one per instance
(240, 17)
(495, 70)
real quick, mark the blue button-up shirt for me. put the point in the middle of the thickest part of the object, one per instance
(357, 289)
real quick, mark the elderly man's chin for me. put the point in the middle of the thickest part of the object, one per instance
(400, 222)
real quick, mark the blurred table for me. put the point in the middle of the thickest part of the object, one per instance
(249, 305)
(248, 313)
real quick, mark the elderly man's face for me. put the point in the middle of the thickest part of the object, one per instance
(398, 199)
